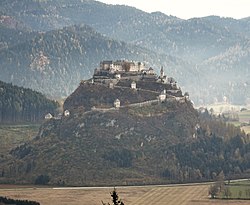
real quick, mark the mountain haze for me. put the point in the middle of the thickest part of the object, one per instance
(184, 47)
(54, 62)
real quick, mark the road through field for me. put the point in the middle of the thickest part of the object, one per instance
(141, 195)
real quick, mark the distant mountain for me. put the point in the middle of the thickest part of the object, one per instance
(233, 68)
(194, 41)
(33, 14)
(18, 104)
(11, 37)
(158, 32)
(55, 62)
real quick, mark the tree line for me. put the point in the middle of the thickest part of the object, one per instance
(4, 200)
(218, 147)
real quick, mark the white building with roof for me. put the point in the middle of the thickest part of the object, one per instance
(117, 103)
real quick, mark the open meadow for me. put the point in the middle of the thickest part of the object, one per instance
(155, 195)
(237, 190)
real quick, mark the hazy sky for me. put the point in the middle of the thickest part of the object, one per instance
(191, 8)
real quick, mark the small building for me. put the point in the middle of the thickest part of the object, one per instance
(151, 71)
(66, 113)
(133, 85)
(117, 103)
(164, 79)
(118, 76)
(162, 96)
(48, 116)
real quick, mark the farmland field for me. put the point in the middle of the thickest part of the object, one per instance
(224, 107)
(155, 195)
(243, 116)
(238, 190)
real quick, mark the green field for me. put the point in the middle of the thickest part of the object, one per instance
(237, 190)
(244, 116)
(14, 135)
(224, 107)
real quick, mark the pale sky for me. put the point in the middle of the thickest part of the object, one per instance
(186, 9)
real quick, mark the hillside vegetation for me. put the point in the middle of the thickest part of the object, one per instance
(18, 104)
(12, 136)
(154, 143)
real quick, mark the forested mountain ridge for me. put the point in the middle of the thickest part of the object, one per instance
(195, 41)
(156, 31)
(18, 104)
(234, 66)
(55, 62)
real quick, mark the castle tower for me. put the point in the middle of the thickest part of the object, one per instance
(161, 72)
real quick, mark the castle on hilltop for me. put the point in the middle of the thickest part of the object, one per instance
(113, 71)
(123, 83)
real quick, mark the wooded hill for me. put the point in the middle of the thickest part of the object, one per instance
(18, 104)
(155, 143)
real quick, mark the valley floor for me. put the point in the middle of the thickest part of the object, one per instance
(155, 195)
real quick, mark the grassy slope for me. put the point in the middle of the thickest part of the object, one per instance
(13, 135)
(73, 149)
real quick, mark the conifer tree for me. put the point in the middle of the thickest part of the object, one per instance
(115, 199)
